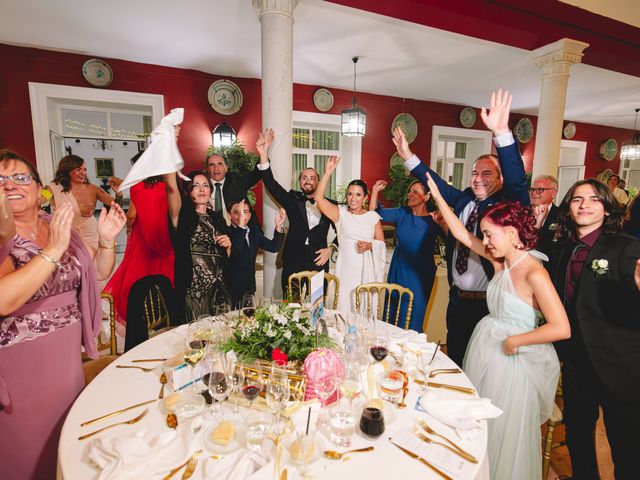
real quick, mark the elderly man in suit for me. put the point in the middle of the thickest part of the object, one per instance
(468, 274)
(596, 271)
(542, 192)
(245, 241)
(227, 187)
(305, 247)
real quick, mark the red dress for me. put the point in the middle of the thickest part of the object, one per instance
(149, 250)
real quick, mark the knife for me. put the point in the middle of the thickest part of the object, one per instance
(422, 460)
(467, 390)
(117, 412)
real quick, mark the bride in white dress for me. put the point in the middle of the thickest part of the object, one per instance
(509, 358)
(361, 251)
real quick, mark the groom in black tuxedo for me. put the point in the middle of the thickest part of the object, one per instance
(596, 272)
(305, 247)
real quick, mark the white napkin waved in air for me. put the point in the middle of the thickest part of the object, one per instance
(162, 155)
(238, 465)
(460, 414)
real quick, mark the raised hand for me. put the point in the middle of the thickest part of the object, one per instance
(59, 231)
(433, 188)
(281, 216)
(636, 275)
(265, 139)
(110, 224)
(402, 146)
(332, 163)
(243, 219)
(7, 226)
(114, 183)
(379, 186)
(497, 118)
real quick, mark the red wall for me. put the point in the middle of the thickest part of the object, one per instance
(188, 89)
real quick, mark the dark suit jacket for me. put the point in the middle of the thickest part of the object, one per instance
(606, 311)
(547, 232)
(236, 185)
(297, 255)
(514, 188)
(241, 267)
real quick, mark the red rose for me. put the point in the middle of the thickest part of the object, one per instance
(279, 356)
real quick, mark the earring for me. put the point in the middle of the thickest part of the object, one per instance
(518, 246)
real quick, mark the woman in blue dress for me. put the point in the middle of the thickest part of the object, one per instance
(412, 264)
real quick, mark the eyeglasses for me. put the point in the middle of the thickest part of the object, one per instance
(17, 178)
(539, 191)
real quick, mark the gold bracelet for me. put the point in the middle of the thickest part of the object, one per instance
(106, 247)
(56, 263)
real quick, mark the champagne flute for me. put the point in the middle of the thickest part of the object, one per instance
(277, 393)
(248, 305)
(235, 379)
(326, 385)
(253, 382)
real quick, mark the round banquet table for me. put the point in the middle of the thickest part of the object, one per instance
(115, 388)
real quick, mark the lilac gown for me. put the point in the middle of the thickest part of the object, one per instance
(40, 371)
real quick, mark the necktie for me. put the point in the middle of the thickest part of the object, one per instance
(218, 198)
(462, 260)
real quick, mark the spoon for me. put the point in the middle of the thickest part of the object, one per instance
(333, 455)
(401, 403)
(163, 381)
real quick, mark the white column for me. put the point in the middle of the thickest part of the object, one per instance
(555, 61)
(276, 19)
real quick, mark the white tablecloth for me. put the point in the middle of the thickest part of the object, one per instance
(118, 388)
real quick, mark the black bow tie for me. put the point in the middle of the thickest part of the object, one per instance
(304, 198)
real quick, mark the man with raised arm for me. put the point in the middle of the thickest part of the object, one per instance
(305, 247)
(493, 179)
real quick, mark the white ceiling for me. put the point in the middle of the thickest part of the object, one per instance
(398, 58)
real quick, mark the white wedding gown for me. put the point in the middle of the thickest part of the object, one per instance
(353, 268)
(522, 385)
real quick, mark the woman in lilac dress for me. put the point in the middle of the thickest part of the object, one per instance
(49, 306)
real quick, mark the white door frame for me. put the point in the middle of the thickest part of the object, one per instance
(45, 96)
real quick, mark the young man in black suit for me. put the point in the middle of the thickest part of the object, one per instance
(305, 247)
(245, 241)
(596, 272)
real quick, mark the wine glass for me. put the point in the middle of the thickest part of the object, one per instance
(326, 385)
(266, 301)
(351, 387)
(218, 385)
(194, 351)
(235, 379)
(379, 346)
(277, 393)
(248, 305)
(201, 329)
(253, 382)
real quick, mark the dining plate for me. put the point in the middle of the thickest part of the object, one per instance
(408, 124)
(237, 442)
(225, 97)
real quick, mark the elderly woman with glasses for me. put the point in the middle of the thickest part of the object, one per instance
(49, 306)
(202, 247)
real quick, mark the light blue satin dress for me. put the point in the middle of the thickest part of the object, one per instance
(522, 385)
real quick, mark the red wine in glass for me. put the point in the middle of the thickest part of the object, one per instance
(251, 392)
(197, 344)
(379, 352)
(249, 311)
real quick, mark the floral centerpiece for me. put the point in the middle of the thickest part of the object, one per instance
(281, 332)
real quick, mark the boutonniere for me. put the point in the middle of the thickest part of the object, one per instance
(600, 266)
(553, 227)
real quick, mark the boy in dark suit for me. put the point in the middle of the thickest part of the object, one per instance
(246, 238)
(596, 272)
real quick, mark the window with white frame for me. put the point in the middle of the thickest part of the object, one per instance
(312, 147)
(107, 123)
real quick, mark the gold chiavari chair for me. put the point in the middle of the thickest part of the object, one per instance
(112, 343)
(548, 445)
(386, 293)
(91, 368)
(299, 279)
(155, 311)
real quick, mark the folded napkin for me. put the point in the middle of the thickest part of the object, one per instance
(238, 465)
(161, 156)
(142, 455)
(459, 414)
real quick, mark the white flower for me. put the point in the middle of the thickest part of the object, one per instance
(553, 226)
(271, 333)
(273, 309)
(281, 319)
(287, 334)
(600, 266)
(602, 263)
(296, 315)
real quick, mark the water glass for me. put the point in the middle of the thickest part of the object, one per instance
(390, 384)
(277, 394)
(342, 422)
(257, 426)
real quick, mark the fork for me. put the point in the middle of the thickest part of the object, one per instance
(426, 439)
(191, 466)
(430, 430)
(135, 366)
(188, 462)
(128, 422)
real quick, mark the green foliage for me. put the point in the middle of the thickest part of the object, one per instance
(396, 191)
(238, 160)
(284, 326)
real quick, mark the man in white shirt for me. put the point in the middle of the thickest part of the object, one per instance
(468, 274)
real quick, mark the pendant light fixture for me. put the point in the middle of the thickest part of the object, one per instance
(631, 148)
(223, 135)
(354, 119)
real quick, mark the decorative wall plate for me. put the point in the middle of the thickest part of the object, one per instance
(569, 130)
(225, 97)
(609, 149)
(468, 117)
(408, 125)
(523, 130)
(97, 72)
(396, 159)
(323, 99)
